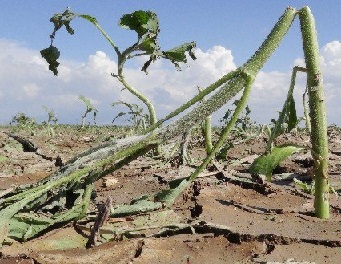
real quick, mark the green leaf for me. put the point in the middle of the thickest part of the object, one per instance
(291, 116)
(266, 163)
(175, 55)
(140, 206)
(51, 54)
(140, 21)
(24, 226)
(178, 54)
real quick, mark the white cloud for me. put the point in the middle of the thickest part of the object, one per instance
(26, 83)
(31, 90)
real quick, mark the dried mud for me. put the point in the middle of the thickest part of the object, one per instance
(224, 217)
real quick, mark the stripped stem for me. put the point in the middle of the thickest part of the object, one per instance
(317, 109)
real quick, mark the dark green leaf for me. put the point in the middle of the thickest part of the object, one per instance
(178, 54)
(175, 55)
(291, 116)
(51, 54)
(63, 19)
(140, 21)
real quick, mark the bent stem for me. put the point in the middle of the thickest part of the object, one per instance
(122, 57)
(240, 107)
(317, 108)
(278, 126)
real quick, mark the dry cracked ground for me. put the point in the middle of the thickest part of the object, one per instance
(226, 216)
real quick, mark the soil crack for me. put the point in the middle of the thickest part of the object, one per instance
(29, 146)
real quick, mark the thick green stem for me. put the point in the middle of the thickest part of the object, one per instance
(236, 80)
(256, 62)
(319, 139)
(197, 98)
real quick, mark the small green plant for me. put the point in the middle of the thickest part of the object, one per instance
(310, 188)
(137, 117)
(146, 25)
(244, 124)
(307, 188)
(286, 122)
(52, 119)
(24, 122)
(89, 109)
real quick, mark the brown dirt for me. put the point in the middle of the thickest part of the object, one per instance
(224, 217)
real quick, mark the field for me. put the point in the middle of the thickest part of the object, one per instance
(226, 216)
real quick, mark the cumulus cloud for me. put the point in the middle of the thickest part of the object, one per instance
(26, 83)
(330, 58)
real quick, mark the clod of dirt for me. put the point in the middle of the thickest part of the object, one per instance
(196, 211)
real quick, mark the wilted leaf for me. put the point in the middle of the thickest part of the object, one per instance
(265, 164)
(178, 54)
(175, 55)
(63, 19)
(51, 54)
(140, 206)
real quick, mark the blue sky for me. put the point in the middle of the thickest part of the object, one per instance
(230, 30)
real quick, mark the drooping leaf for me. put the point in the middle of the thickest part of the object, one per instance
(266, 163)
(176, 55)
(51, 54)
(291, 116)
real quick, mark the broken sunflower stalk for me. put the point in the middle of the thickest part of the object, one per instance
(64, 196)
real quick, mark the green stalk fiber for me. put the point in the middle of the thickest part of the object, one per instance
(317, 107)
